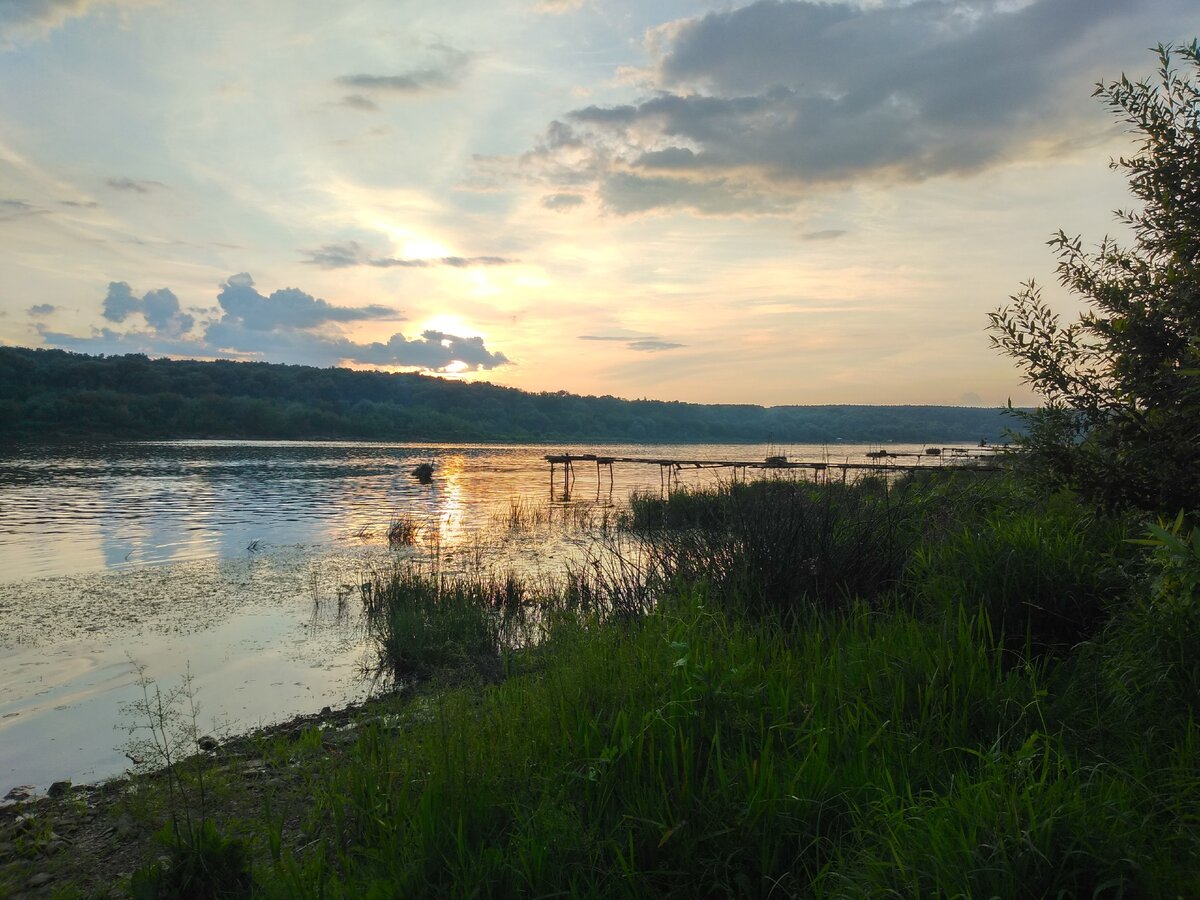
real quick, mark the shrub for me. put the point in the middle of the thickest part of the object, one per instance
(1122, 384)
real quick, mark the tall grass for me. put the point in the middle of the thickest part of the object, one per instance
(783, 546)
(694, 754)
(779, 689)
(424, 623)
(1046, 577)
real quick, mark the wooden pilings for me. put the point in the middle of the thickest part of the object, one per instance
(947, 459)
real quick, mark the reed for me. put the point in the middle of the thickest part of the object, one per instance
(785, 546)
(403, 531)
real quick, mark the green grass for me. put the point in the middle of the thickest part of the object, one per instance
(972, 692)
(693, 754)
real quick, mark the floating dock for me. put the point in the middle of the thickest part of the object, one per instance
(882, 461)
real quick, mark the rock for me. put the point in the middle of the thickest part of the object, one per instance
(59, 788)
(208, 743)
(326, 711)
(7, 850)
(56, 846)
(39, 880)
(20, 793)
(124, 826)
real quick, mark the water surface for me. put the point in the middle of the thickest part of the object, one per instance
(238, 561)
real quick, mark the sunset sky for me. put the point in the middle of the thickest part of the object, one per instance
(779, 202)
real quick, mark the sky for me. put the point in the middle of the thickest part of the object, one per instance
(773, 202)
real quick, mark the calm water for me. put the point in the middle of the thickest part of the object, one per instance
(226, 559)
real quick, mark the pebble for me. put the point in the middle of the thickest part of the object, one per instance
(41, 878)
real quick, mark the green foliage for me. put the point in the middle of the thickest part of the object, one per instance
(1043, 577)
(201, 863)
(692, 754)
(52, 394)
(205, 866)
(1122, 383)
(1151, 658)
(424, 623)
(784, 547)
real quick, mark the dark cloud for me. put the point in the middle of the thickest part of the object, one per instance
(350, 253)
(358, 101)
(560, 202)
(445, 72)
(628, 192)
(288, 308)
(108, 341)
(13, 209)
(828, 234)
(42, 309)
(119, 302)
(286, 326)
(652, 346)
(648, 344)
(134, 186)
(751, 108)
(433, 350)
(79, 204)
(160, 308)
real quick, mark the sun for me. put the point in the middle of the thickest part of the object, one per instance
(448, 324)
(424, 248)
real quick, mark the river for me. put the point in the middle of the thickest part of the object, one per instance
(236, 562)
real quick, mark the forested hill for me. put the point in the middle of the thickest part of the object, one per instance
(53, 394)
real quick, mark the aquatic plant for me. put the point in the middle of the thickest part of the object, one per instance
(403, 531)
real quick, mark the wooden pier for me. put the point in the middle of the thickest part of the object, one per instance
(881, 461)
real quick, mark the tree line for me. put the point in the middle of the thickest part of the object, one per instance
(59, 395)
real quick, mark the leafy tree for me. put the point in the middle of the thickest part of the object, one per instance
(1121, 421)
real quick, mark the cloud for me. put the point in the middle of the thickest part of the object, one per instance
(108, 341)
(11, 210)
(557, 6)
(288, 308)
(160, 308)
(446, 71)
(433, 350)
(359, 102)
(561, 202)
(79, 204)
(647, 344)
(748, 110)
(41, 16)
(134, 186)
(288, 325)
(628, 192)
(827, 234)
(350, 253)
(42, 309)
(653, 346)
